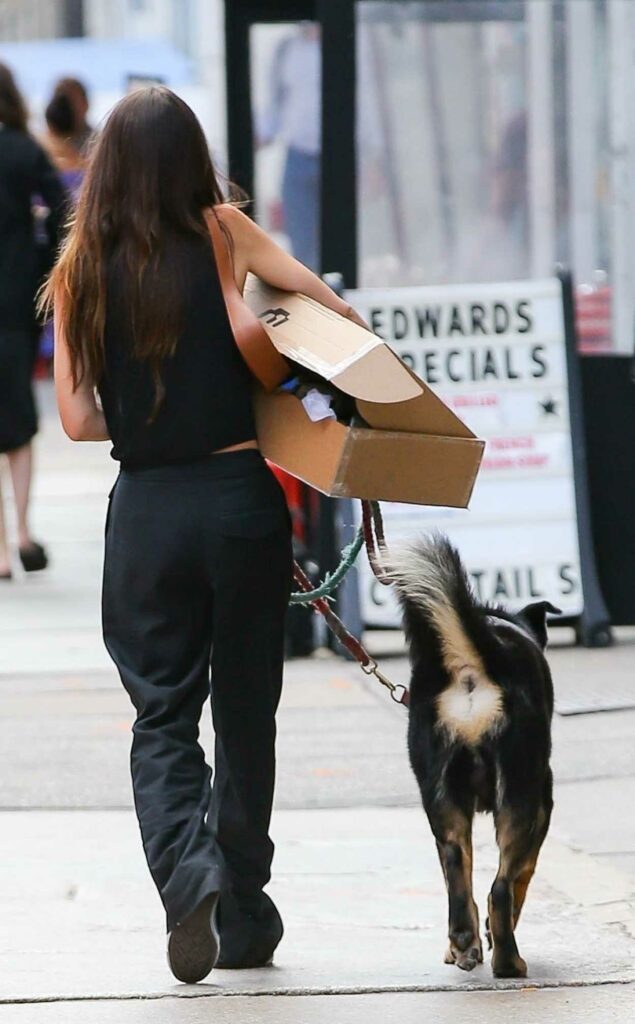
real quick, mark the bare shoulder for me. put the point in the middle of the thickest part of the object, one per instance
(236, 222)
(240, 229)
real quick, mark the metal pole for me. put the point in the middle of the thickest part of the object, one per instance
(348, 605)
(593, 628)
(210, 57)
(540, 142)
(621, 124)
(339, 154)
(441, 155)
(582, 137)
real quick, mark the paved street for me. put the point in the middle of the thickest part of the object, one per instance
(356, 874)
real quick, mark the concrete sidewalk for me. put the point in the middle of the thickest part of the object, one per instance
(532, 1006)
(360, 891)
(356, 873)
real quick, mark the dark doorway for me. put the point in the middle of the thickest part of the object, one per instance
(301, 169)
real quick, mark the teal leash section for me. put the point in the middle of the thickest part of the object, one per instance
(371, 531)
(333, 579)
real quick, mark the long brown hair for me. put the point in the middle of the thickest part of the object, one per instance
(13, 112)
(150, 178)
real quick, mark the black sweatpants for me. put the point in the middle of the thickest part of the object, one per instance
(198, 566)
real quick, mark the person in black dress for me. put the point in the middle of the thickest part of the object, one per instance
(25, 172)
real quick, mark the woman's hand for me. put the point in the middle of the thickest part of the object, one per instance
(357, 319)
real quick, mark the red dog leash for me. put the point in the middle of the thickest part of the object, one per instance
(375, 539)
(375, 542)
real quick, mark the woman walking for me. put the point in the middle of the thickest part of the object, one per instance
(198, 542)
(64, 129)
(61, 145)
(24, 172)
(73, 92)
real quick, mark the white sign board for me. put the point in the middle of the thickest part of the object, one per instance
(495, 353)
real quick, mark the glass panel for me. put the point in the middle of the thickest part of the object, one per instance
(286, 99)
(586, 190)
(446, 111)
(601, 137)
(442, 146)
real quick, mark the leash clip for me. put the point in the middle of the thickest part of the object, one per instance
(401, 695)
(398, 693)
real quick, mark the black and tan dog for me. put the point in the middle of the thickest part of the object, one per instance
(481, 702)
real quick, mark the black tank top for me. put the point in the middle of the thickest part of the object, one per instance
(207, 403)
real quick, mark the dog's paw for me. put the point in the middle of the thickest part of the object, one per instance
(488, 934)
(466, 959)
(509, 966)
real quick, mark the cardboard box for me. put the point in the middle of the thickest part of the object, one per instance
(414, 448)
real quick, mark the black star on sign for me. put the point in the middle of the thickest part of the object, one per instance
(549, 407)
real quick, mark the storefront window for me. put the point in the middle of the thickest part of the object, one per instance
(491, 146)
(442, 150)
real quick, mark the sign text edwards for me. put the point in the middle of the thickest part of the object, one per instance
(495, 353)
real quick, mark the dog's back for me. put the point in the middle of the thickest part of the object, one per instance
(481, 701)
(480, 665)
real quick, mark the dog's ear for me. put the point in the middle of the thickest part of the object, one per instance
(535, 616)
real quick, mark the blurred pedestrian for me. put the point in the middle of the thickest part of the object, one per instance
(69, 158)
(60, 142)
(25, 171)
(293, 117)
(75, 94)
(198, 538)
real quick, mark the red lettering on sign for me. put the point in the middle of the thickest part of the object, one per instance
(503, 443)
(528, 461)
(472, 401)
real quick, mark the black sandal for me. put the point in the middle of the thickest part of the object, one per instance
(34, 557)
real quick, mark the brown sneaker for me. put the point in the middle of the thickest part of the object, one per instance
(193, 945)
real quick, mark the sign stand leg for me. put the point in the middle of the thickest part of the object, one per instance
(593, 627)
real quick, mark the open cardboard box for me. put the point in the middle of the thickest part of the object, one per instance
(414, 448)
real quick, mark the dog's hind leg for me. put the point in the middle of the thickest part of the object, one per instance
(453, 833)
(519, 838)
(521, 884)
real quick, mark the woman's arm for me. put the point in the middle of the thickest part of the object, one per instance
(256, 252)
(81, 417)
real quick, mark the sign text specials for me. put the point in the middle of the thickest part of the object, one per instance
(496, 355)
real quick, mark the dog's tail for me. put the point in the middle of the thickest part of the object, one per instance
(432, 583)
